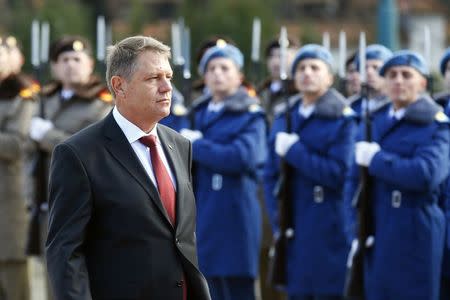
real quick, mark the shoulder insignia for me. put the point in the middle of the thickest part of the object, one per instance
(251, 92)
(254, 108)
(348, 111)
(441, 117)
(179, 110)
(26, 93)
(105, 96)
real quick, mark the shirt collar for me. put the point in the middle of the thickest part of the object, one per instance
(306, 111)
(215, 106)
(67, 94)
(275, 86)
(397, 114)
(131, 131)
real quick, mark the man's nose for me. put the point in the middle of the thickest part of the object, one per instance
(166, 86)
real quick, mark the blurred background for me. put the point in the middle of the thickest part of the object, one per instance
(417, 25)
(396, 24)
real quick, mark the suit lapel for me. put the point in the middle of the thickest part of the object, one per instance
(118, 146)
(170, 151)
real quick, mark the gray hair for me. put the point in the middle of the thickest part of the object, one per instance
(121, 59)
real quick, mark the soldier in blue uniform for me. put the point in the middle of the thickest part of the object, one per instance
(408, 160)
(228, 140)
(319, 150)
(443, 97)
(352, 82)
(376, 55)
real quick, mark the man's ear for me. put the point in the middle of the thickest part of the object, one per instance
(119, 85)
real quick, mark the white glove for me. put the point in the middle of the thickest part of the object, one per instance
(364, 152)
(284, 141)
(39, 127)
(191, 135)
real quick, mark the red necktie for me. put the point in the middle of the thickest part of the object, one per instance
(165, 186)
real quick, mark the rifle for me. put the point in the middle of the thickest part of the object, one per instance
(354, 285)
(278, 251)
(34, 242)
(255, 66)
(177, 33)
(186, 88)
(101, 45)
(342, 59)
(427, 56)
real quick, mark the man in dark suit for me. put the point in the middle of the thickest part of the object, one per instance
(122, 210)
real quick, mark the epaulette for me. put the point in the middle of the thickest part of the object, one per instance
(105, 96)
(253, 108)
(441, 117)
(35, 87)
(251, 92)
(27, 93)
(348, 111)
(179, 110)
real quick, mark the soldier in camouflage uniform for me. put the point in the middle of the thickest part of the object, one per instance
(73, 100)
(16, 109)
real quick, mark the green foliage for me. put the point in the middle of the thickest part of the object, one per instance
(137, 16)
(64, 17)
(68, 17)
(231, 18)
(310, 34)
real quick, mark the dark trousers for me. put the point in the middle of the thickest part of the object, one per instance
(231, 288)
(445, 288)
(310, 297)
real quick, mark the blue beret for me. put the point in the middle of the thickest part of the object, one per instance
(221, 50)
(375, 52)
(312, 51)
(406, 58)
(444, 60)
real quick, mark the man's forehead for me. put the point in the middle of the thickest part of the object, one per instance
(73, 54)
(309, 61)
(397, 69)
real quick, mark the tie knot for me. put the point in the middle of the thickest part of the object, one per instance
(148, 140)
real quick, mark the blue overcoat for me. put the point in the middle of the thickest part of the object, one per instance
(317, 253)
(405, 260)
(228, 166)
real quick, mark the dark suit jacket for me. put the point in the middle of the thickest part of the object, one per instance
(109, 236)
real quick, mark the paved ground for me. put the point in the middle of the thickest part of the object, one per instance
(37, 281)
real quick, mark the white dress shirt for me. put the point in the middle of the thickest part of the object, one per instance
(133, 134)
(66, 94)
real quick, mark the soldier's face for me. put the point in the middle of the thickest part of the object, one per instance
(313, 77)
(146, 96)
(353, 83)
(447, 76)
(222, 77)
(4, 63)
(374, 80)
(404, 85)
(73, 68)
(273, 62)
